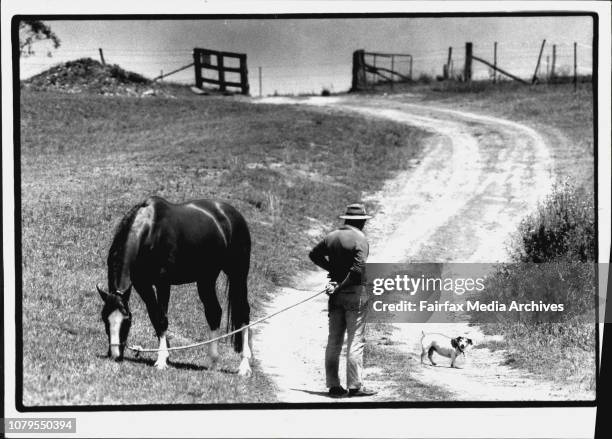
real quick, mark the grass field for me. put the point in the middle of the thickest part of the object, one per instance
(87, 159)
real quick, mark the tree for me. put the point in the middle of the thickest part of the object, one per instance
(32, 31)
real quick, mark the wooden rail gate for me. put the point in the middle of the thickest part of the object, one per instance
(365, 64)
(221, 63)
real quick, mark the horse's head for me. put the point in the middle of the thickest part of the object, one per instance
(117, 320)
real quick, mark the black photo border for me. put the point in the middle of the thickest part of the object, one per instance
(272, 406)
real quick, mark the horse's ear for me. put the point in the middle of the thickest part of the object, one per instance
(103, 294)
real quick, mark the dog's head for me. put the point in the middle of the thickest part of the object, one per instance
(461, 343)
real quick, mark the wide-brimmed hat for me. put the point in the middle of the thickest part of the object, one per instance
(356, 212)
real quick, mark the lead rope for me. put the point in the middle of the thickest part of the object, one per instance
(139, 349)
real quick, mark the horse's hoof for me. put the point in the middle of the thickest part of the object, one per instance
(245, 373)
(213, 365)
(161, 364)
(245, 370)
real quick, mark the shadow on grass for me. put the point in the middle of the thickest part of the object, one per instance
(174, 364)
(443, 366)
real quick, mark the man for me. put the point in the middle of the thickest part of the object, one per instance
(343, 255)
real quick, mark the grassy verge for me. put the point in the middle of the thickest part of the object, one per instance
(553, 263)
(87, 159)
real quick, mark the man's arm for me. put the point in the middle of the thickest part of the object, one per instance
(355, 274)
(318, 255)
(351, 279)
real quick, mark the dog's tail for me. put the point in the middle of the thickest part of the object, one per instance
(422, 335)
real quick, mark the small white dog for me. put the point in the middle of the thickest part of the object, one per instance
(443, 345)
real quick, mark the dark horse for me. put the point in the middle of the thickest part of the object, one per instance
(158, 244)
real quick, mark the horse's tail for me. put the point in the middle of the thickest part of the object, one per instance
(238, 304)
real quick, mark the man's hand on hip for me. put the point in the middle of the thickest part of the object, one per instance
(331, 288)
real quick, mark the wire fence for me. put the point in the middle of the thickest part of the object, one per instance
(521, 59)
(518, 58)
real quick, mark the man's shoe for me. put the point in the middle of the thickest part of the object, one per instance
(337, 392)
(362, 391)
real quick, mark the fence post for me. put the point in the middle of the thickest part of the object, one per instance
(467, 71)
(221, 71)
(198, 68)
(392, 68)
(102, 56)
(410, 74)
(575, 66)
(359, 79)
(244, 76)
(495, 62)
(535, 73)
(374, 79)
(554, 62)
(446, 70)
(260, 92)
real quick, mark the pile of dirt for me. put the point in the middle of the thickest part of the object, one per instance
(87, 75)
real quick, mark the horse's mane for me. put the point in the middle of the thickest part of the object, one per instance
(118, 246)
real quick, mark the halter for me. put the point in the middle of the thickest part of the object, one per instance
(116, 292)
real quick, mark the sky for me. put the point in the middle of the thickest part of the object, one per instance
(308, 55)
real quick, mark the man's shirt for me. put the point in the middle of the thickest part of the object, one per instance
(343, 251)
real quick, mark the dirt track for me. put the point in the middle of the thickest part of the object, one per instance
(477, 178)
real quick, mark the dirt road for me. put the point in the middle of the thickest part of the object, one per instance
(460, 202)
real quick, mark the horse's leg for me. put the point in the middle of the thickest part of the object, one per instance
(163, 297)
(212, 310)
(147, 293)
(240, 313)
(245, 363)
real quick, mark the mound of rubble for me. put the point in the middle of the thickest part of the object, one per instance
(87, 75)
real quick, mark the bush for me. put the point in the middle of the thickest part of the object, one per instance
(564, 281)
(562, 226)
(553, 262)
(424, 78)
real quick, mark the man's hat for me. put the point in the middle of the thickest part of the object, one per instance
(356, 212)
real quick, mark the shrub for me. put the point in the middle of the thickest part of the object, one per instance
(565, 281)
(554, 262)
(424, 78)
(562, 226)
